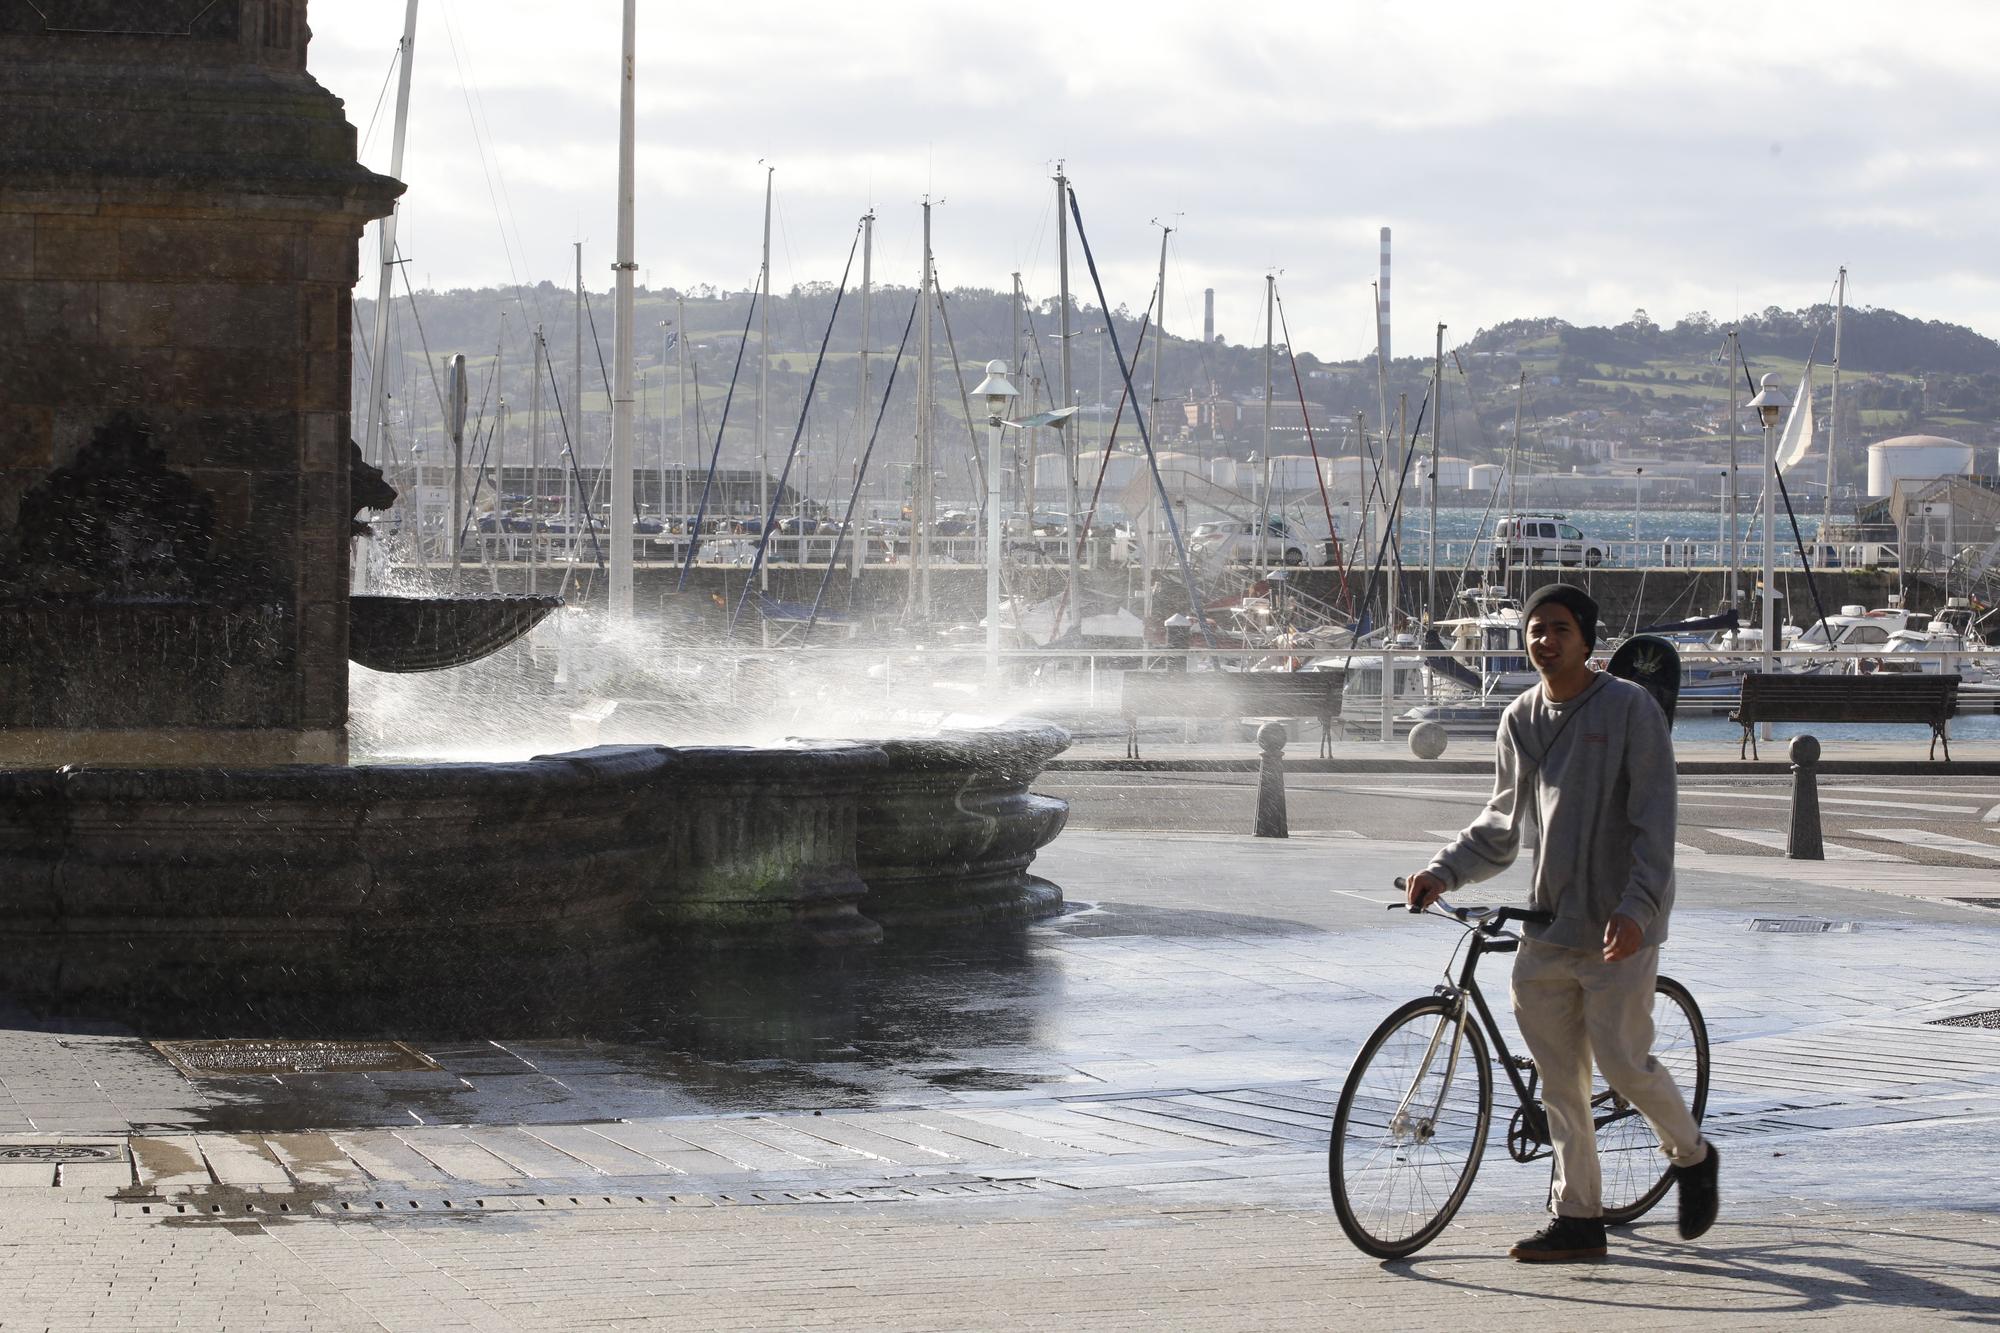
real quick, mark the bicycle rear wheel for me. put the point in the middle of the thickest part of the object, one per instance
(1637, 1174)
(1410, 1128)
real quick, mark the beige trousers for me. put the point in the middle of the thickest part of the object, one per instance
(1572, 1006)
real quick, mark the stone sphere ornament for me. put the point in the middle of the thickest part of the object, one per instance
(1427, 740)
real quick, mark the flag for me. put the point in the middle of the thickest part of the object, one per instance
(1798, 436)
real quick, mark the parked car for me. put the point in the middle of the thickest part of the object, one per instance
(1545, 539)
(1236, 540)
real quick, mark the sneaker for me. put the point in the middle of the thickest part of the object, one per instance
(1563, 1240)
(1700, 1199)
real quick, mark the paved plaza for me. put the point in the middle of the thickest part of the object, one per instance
(1117, 1119)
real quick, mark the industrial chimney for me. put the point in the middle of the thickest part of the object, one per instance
(1382, 313)
(1208, 315)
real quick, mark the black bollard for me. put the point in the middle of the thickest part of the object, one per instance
(1271, 782)
(1805, 843)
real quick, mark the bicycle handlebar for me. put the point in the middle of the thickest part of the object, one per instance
(1490, 919)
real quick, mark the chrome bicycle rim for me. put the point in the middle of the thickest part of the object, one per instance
(1410, 1128)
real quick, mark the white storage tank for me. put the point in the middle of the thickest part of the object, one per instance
(1118, 471)
(1051, 476)
(1915, 458)
(1348, 473)
(1173, 461)
(1223, 473)
(1453, 474)
(1485, 477)
(1294, 472)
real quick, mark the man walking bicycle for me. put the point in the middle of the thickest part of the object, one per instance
(1589, 759)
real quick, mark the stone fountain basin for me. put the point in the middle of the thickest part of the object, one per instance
(185, 883)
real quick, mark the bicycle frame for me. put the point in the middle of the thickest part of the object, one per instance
(1531, 1105)
(1487, 937)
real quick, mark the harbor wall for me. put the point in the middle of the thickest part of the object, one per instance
(1626, 596)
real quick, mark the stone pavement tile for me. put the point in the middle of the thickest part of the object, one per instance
(457, 1156)
(673, 1152)
(242, 1160)
(594, 1152)
(850, 1133)
(520, 1149)
(387, 1158)
(315, 1159)
(791, 1134)
(169, 1162)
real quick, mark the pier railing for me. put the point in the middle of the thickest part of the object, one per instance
(1080, 688)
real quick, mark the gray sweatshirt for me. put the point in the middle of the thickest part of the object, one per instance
(1597, 775)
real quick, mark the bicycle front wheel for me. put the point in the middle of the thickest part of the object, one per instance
(1410, 1128)
(1637, 1174)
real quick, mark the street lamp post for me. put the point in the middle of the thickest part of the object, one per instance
(1638, 480)
(1770, 404)
(999, 396)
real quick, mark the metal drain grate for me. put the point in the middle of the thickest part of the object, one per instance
(1985, 1018)
(1801, 925)
(217, 1059)
(1979, 902)
(59, 1153)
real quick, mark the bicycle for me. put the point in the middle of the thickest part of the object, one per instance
(1414, 1114)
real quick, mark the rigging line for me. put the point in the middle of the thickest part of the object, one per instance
(958, 373)
(1312, 445)
(478, 420)
(1028, 309)
(1389, 526)
(1207, 365)
(1145, 437)
(436, 385)
(1465, 570)
(1812, 584)
(569, 452)
(380, 97)
(1104, 464)
(479, 141)
(805, 410)
(861, 473)
(715, 458)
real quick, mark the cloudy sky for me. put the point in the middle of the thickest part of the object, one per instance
(1574, 159)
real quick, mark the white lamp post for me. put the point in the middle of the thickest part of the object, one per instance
(999, 396)
(1638, 480)
(1770, 404)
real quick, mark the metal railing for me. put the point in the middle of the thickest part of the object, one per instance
(1085, 683)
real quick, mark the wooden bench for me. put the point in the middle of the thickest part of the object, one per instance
(1314, 694)
(1929, 699)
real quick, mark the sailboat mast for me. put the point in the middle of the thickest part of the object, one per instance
(681, 392)
(535, 462)
(856, 543)
(1833, 426)
(1437, 417)
(764, 380)
(1068, 424)
(1264, 490)
(1028, 437)
(622, 508)
(1735, 494)
(576, 449)
(1020, 372)
(1395, 506)
(920, 521)
(1145, 533)
(1365, 524)
(499, 457)
(378, 383)
(1513, 468)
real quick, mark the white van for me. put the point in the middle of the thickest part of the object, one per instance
(1545, 539)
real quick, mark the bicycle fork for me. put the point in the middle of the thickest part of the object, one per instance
(1422, 1127)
